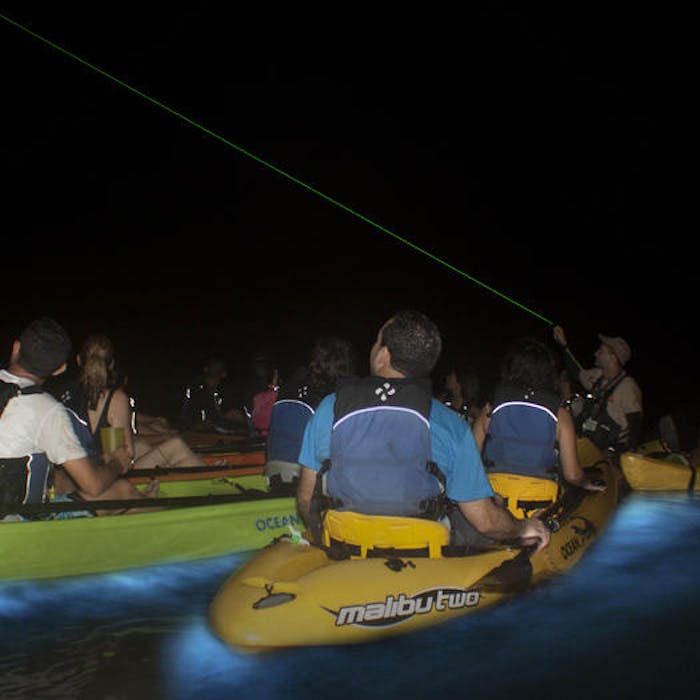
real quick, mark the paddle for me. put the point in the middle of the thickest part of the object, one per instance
(247, 445)
(206, 469)
(33, 509)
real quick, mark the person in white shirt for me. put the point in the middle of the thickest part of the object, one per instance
(37, 432)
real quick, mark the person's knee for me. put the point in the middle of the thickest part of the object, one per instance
(172, 448)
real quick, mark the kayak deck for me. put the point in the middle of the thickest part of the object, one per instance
(296, 594)
(202, 518)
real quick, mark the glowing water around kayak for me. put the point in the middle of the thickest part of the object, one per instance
(623, 623)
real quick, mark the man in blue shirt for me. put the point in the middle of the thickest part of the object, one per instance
(408, 346)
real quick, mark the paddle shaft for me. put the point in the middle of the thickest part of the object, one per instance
(124, 504)
(207, 469)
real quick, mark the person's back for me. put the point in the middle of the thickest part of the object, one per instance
(378, 430)
(522, 415)
(97, 395)
(522, 432)
(261, 409)
(346, 450)
(202, 404)
(331, 359)
(35, 433)
(380, 453)
(37, 428)
(292, 410)
(100, 399)
(526, 432)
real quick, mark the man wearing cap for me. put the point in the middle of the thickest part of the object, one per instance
(612, 412)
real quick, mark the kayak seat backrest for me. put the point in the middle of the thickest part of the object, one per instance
(378, 535)
(524, 494)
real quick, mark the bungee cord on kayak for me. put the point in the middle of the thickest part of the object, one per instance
(279, 171)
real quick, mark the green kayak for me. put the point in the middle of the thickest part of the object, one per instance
(200, 518)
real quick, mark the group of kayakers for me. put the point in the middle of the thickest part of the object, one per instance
(43, 444)
(382, 445)
(386, 444)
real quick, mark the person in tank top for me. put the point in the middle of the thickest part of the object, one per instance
(35, 425)
(99, 397)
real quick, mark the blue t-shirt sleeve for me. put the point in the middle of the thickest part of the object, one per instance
(457, 456)
(316, 445)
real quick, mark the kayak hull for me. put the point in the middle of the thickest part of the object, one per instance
(48, 549)
(646, 472)
(292, 594)
(218, 449)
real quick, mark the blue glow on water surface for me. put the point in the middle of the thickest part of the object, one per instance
(101, 596)
(623, 623)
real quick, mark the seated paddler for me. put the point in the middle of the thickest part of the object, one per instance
(526, 436)
(38, 433)
(331, 357)
(382, 447)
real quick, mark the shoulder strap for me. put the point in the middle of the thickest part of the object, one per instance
(605, 393)
(8, 390)
(103, 413)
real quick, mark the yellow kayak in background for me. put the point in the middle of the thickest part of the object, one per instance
(659, 471)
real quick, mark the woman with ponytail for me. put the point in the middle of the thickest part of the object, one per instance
(103, 403)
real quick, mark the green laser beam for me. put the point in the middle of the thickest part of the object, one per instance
(279, 171)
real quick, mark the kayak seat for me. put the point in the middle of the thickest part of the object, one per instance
(654, 447)
(675, 458)
(364, 536)
(524, 494)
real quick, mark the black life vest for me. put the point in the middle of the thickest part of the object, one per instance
(594, 421)
(22, 479)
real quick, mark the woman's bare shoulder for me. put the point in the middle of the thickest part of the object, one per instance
(120, 400)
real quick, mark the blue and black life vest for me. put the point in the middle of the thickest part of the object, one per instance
(380, 455)
(522, 433)
(287, 423)
(22, 479)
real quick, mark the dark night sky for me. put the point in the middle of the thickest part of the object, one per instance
(539, 150)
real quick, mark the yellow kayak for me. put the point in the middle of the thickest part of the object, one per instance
(296, 594)
(659, 471)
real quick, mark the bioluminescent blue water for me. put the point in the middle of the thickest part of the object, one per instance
(624, 623)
